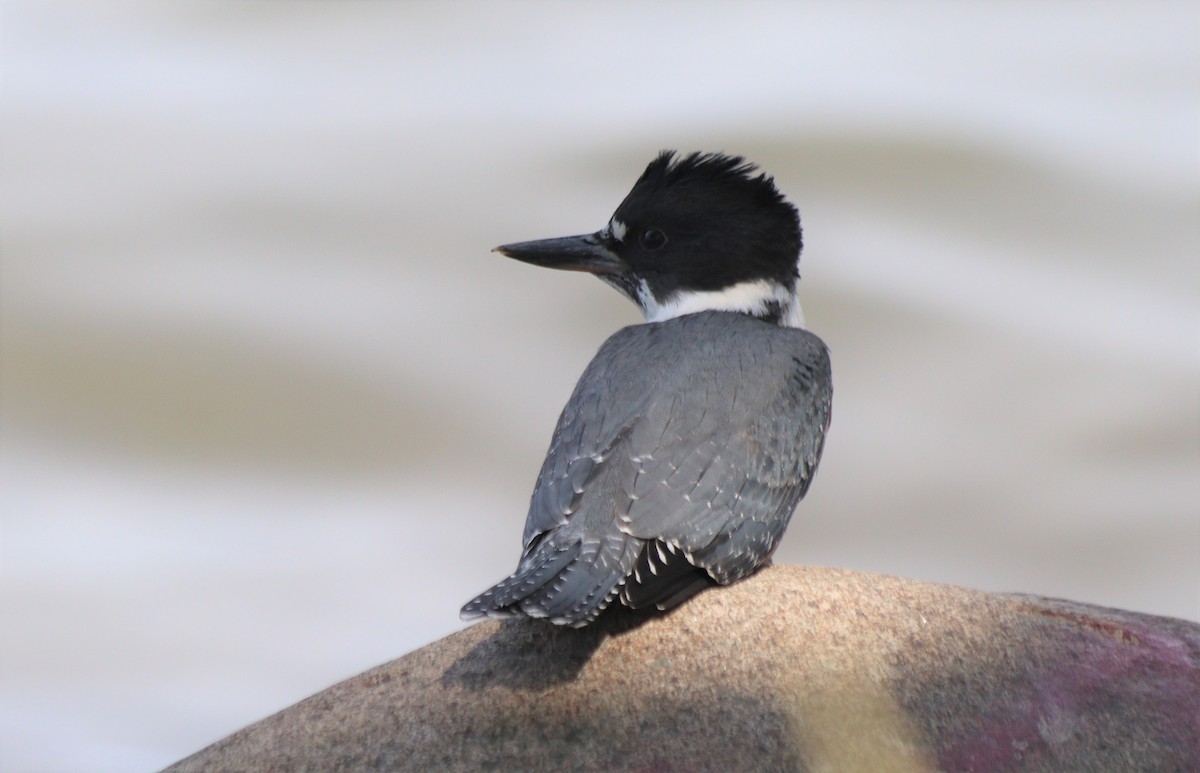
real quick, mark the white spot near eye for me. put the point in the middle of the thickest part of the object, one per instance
(617, 229)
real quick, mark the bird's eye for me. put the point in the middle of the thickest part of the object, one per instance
(652, 239)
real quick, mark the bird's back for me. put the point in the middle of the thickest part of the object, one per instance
(677, 462)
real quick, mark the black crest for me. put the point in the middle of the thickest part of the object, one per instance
(705, 221)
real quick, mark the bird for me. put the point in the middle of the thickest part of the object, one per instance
(690, 439)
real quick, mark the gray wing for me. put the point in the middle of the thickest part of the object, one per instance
(679, 457)
(720, 479)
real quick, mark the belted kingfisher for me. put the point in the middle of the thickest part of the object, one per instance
(689, 440)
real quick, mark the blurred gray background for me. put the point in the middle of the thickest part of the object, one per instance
(272, 410)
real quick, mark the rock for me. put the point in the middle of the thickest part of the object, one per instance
(793, 669)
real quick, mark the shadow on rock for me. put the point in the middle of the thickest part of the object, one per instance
(536, 655)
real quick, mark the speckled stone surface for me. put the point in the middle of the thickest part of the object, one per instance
(794, 669)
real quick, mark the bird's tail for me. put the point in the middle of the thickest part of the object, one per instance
(568, 584)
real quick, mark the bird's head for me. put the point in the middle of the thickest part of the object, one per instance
(699, 232)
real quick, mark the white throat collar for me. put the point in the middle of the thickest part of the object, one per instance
(759, 298)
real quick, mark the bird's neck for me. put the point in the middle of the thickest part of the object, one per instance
(761, 298)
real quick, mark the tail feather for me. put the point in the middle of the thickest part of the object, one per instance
(533, 574)
(568, 584)
(575, 596)
(571, 585)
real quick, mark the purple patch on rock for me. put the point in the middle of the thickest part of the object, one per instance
(1087, 678)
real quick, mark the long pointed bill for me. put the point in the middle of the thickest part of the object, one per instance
(587, 252)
